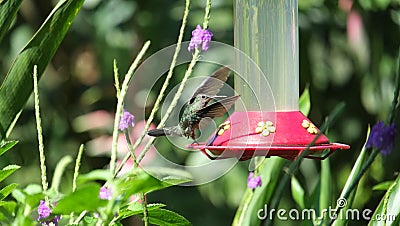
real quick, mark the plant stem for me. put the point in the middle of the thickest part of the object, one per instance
(120, 100)
(145, 210)
(39, 131)
(207, 14)
(130, 147)
(77, 166)
(174, 101)
(76, 174)
(163, 88)
(136, 165)
(116, 78)
(178, 94)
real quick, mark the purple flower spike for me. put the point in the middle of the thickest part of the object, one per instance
(382, 137)
(200, 37)
(197, 38)
(105, 193)
(253, 182)
(207, 35)
(127, 119)
(43, 210)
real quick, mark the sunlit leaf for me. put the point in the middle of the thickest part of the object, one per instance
(7, 145)
(7, 190)
(7, 171)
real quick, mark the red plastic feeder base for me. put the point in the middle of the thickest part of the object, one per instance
(248, 134)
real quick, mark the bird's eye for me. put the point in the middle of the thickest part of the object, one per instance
(203, 97)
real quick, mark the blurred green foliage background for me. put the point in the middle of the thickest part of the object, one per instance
(348, 53)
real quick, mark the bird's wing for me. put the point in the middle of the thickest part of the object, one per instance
(218, 108)
(214, 83)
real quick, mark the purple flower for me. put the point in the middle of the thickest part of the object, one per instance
(200, 37)
(127, 119)
(105, 193)
(207, 35)
(382, 137)
(43, 210)
(253, 182)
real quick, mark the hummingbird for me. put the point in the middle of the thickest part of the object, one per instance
(198, 107)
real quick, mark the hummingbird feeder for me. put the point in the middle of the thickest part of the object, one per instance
(267, 31)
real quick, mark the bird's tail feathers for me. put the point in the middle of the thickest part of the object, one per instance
(156, 132)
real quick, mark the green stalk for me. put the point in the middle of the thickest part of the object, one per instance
(39, 131)
(173, 103)
(120, 100)
(178, 94)
(136, 165)
(163, 88)
(76, 174)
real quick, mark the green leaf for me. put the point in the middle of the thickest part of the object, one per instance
(353, 174)
(383, 186)
(141, 182)
(8, 10)
(58, 172)
(389, 206)
(6, 145)
(325, 190)
(9, 206)
(33, 189)
(94, 175)
(166, 218)
(137, 208)
(7, 190)
(252, 202)
(305, 102)
(170, 175)
(7, 171)
(298, 193)
(19, 195)
(84, 198)
(18, 84)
